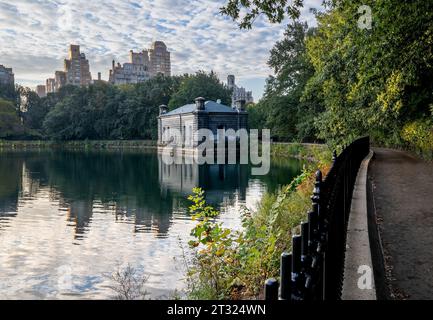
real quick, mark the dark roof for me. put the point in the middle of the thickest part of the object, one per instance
(209, 106)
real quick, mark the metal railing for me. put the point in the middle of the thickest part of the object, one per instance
(314, 269)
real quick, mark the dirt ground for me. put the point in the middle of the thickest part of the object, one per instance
(403, 198)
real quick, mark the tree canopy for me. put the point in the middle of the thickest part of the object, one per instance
(346, 78)
(104, 111)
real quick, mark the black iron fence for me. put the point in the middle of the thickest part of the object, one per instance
(314, 269)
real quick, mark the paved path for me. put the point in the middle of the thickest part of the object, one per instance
(403, 196)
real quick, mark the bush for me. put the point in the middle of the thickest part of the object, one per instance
(419, 136)
(235, 265)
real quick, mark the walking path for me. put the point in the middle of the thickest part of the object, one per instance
(403, 198)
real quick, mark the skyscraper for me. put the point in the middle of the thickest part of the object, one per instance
(41, 91)
(6, 76)
(159, 58)
(50, 85)
(77, 68)
(238, 93)
(142, 65)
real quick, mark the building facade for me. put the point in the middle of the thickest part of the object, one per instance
(7, 76)
(238, 93)
(50, 85)
(76, 71)
(187, 120)
(60, 79)
(41, 91)
(142, 65)
(77, 68)
(159, 59)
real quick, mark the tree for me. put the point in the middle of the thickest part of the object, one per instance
(201, 84)
(372, 81)
(288, 117)
(34, 108)
(275, 10)
(10, 124)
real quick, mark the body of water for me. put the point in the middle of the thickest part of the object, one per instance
(68, 220)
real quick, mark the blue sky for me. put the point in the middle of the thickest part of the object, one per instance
(35, 34)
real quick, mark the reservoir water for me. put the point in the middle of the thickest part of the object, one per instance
(69, 219)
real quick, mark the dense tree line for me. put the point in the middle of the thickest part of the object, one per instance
(105, 111)
(346, 78)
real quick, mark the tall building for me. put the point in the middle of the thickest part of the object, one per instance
(50, 85)
(142, 65)
(76, 71)
(159, 58)
(6, 76)
(77, 68)
(239, 93)
(41, 91)
(60, 79)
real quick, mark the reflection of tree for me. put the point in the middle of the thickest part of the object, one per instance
(11, 169)
(129, 180)
(135, 186)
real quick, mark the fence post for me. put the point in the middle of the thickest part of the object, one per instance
(286, 276)
(271, 290)
(296, 266)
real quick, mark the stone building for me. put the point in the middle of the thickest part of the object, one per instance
(239, 93)
(77, 68)
(50, 85)
(7, 76)
(201, 115)
(142, 65)
(76, 71)
(41, 91)
(60, 79)
(159, 59)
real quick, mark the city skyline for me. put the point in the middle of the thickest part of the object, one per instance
(199, 38)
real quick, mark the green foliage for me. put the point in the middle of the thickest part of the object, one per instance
(210, 276)
(281, 108)
(354, 81)
(10, 123)
(275, 11)
(8, 92)
(234, 265)
(372, 81)
(201, 84)
(106, 112)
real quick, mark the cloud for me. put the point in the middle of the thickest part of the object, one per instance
(34, 36)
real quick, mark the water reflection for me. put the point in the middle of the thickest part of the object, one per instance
(92, 210)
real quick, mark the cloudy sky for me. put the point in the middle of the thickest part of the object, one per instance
(34, 36)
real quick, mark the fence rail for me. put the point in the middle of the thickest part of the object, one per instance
(314, 269)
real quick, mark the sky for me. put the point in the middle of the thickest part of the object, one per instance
(35, 34)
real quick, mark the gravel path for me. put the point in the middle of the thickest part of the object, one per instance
(403, 197)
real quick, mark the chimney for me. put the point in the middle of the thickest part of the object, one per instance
(114, 63)
(240, 104)
(199, 103)
(163, 109)
(99, 76)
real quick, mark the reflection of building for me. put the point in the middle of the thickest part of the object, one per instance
(142, 65)
(187, 120)
(215, 179)
(239, 93)
(6, 76)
